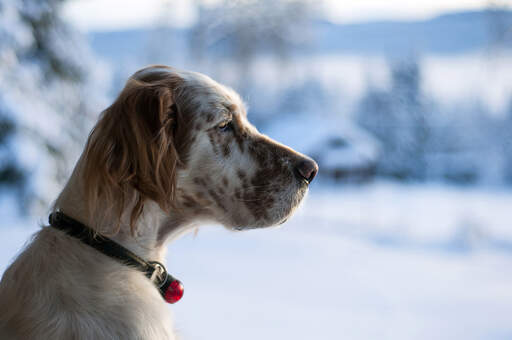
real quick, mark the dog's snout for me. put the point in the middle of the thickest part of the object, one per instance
(306, 169)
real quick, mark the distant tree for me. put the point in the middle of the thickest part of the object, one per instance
(11, 173)
(50, 90)
(300, 97)
(241, 30)
(499, 24)
(399, 120)
(505, 143)
(463, 145)
(303, 97)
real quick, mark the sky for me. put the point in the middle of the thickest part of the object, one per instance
(97, 15)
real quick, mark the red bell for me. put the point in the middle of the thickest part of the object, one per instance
(174, 292)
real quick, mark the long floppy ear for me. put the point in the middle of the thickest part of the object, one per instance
(131, 156)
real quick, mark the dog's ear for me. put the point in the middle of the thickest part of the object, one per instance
(131, 155)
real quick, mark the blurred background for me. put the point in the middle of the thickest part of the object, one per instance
(406, 106)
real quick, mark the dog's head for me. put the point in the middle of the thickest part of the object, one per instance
(183, 141)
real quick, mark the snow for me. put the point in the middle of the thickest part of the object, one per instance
(381, 261)
(51, 112)
(377, 261)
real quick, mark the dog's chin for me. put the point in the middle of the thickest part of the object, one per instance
(278, 215)
(260, 224)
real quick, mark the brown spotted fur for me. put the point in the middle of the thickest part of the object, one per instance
(160, 159)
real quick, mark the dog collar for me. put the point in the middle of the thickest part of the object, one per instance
(170, 288)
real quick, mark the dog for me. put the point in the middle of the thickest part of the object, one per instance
(174, 149)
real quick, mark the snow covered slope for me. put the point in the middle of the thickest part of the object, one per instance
(383, 261)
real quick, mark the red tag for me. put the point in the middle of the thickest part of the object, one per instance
(174, 292)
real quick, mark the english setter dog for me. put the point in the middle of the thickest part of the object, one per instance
(174, 149)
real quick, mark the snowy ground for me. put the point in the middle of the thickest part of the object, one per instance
(382, 261)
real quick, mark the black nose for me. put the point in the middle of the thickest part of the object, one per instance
(306, 169)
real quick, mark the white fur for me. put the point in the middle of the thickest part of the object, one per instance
(60, 288)
(71, 291)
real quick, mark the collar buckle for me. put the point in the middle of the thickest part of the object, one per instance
(159, 275)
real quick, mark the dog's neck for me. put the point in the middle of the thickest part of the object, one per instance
(147, 241)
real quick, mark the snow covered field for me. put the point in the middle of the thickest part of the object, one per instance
(382, 261)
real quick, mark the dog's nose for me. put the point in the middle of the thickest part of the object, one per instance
(306, 169)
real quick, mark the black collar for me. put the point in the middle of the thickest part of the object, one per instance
(170, 288)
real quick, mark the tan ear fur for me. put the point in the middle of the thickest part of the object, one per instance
(131, 156)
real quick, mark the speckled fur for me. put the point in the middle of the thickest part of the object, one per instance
(58, 288)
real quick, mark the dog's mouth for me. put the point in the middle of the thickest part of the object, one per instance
(283, 221)
(276, 214)
(243, 228)
(305, 182)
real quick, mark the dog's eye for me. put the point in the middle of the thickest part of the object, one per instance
(225, 126)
